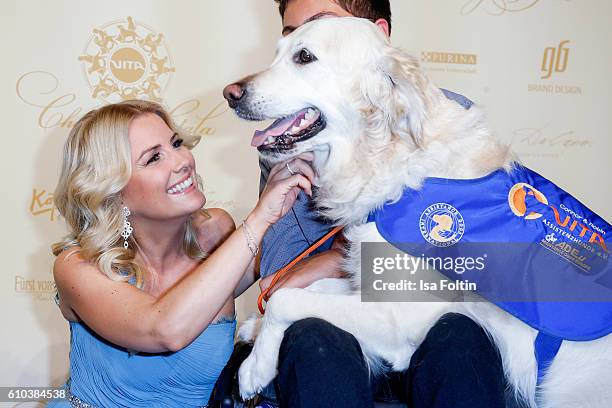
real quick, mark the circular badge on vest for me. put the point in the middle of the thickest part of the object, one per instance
(517, 200)
(441, 224)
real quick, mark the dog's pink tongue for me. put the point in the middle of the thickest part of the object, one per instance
(259, 137)
(277, 128)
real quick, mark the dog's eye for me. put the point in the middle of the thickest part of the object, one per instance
(304, 57)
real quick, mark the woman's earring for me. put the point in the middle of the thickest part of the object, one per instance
(127, 227)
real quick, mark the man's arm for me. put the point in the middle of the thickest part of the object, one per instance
(326, 264)
(292, 234)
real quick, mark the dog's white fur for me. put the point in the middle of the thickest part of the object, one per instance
(389, 127)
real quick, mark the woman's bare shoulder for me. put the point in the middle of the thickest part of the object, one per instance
(66, 267)
(69, 258)
(213, 226)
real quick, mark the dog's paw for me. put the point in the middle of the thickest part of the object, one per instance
(249, 330)
(253, 376)
(246, 384)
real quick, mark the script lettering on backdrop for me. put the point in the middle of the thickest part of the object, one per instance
(498, 7)
(546, 142)
(123, 59)
(58, 109)
(42, 204)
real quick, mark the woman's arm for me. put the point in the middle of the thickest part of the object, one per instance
(129, 317)
(214, 225)
(250, 277)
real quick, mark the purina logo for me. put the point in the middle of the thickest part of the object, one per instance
(554, 59)
(126, 60)
(448, 58)
(455, 62)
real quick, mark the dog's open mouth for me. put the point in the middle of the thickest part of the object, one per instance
(285, 132)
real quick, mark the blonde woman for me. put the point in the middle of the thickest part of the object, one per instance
(145, 277)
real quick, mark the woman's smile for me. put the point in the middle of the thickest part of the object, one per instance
(185, 186)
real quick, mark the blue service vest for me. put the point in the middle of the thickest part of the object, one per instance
(546, 254)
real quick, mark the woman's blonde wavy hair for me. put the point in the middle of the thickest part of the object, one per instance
(96, 166)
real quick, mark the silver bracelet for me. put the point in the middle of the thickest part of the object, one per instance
(248, 234)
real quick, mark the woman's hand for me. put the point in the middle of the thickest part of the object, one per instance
(285, 181)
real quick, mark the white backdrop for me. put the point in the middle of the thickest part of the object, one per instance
(538, 67)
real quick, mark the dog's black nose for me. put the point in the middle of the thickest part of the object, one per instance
(233, 93)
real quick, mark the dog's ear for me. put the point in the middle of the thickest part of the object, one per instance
(399, 95)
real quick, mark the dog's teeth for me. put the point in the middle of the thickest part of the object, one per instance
(303, 122)
(295, 129)
(309, 114)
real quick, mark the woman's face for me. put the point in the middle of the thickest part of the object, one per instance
(163, 183)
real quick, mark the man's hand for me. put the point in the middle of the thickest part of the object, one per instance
(320, 266)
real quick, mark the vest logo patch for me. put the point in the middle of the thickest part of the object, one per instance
(441, 225)
(568, 223)
(517, 196)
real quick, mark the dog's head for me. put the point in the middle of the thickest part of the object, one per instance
(333, 81)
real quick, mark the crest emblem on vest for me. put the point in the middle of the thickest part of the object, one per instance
(441, 224)
(517, 197)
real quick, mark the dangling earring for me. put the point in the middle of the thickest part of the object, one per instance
(127, 227)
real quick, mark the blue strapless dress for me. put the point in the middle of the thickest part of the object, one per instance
(105, 375)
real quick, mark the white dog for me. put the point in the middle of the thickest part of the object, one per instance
(377, 125)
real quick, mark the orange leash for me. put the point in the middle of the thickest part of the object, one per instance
(285, 269)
